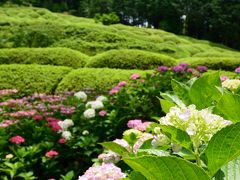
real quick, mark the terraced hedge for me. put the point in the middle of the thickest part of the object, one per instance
(43, 56)
(99, 80)
(225, 63)
(29, 79)
(130, 59)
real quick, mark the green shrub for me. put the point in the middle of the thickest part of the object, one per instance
(99, 80)
(225, 63)
(29, 79)
(217, 54)
(107, 19)
(45, 56)
(130, 59)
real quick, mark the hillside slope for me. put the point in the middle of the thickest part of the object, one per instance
(36, 27)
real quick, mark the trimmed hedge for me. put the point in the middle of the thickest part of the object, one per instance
(29, 79)
(225, 63)
(44, 56)
(99, 80)
(130, 59)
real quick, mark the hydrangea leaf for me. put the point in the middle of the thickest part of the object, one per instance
(115, 148)
(181, 90)
(178, 136)
(230, 171)
(173, 98)
(228, 107)
(203, 92)
(166, 105)
(166, 168)
(223, 148)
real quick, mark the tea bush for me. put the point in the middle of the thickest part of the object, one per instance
(31, 78)
(44, 56)
(98, 80)
(225, 63)
(130, 59)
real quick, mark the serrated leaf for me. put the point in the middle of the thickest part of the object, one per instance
(228, 107)
(115, 148)
(230, 171)
(181, 90)
(223, 148)
(178, 136)
(203, 92)
(166, 168)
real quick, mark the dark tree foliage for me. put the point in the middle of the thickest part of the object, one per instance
(215, 20)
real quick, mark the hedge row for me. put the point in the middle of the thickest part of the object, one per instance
(43, 56)
(130, 59)
(29, 79)
(225, 63)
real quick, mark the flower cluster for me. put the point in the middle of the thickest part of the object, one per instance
(4, 92)
(138, 124)
(7, 123)
(231, 84)
(93, 106)
(103, 172)
(200, 125)
(109, 157)
(17, 140)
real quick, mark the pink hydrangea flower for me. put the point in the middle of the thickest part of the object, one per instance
(17, 139)
(114, 90)
(62, 141)
(102, 113)
(106, 171)
(51, 153)
(138, 124)
(223, 78)
(122, 83)
(134, 76)
(37, 117)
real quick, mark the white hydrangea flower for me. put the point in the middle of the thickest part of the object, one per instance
(95, 105)
(231, 84)
(66, 135)
(89, 113)
(101, 98)
(81, 95)
(65, 124)
(200, 125)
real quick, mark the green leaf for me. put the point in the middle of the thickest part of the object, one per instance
(115, 148)
(68, 176)
(166, 168)
(173, 98)
(228, 107)
(166, 105)
(178, 136)
(223, 147)
(157, 152)
(230, 171)
(203, 93)
(181, 90)
(136, 175)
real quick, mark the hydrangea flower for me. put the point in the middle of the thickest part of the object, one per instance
(138, 124)
(162, 69)
(51, 153)
(65, 124)
(122, 83)
(223, 78)
(17, 140)
(200, 125)
(114, 90)
(231, 84)
(95, 104)
(202, 68)
(237, 70)
(81, 95)
(135, 76)
(104, 172)
(66, 135)
(109, 157)
(89, 113)
(101, 98)
(102, 113)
